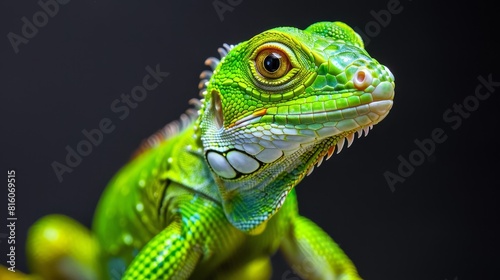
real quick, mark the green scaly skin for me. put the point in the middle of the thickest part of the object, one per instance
(217, 199)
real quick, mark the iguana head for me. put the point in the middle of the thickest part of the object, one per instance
(279, 103)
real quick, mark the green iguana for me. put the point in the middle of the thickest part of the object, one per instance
(212, 196)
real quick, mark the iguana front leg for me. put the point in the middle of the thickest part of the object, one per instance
(198, 233)
(314, 255)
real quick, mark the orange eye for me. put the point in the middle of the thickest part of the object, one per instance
(272, 63)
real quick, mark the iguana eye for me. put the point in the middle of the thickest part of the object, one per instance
(274, 67)
(272, 63)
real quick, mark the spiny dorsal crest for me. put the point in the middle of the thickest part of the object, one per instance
(191, 114)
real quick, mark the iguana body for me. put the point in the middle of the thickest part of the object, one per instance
(212, 197)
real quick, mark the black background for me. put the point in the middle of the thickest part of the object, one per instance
(438, 224)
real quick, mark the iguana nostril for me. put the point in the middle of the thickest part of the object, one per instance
(362, 79)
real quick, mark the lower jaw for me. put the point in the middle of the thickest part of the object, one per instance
(335, 144)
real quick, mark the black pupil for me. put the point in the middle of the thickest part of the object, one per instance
(272, 62)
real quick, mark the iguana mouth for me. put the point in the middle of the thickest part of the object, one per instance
(268, 134)
(383, 95)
